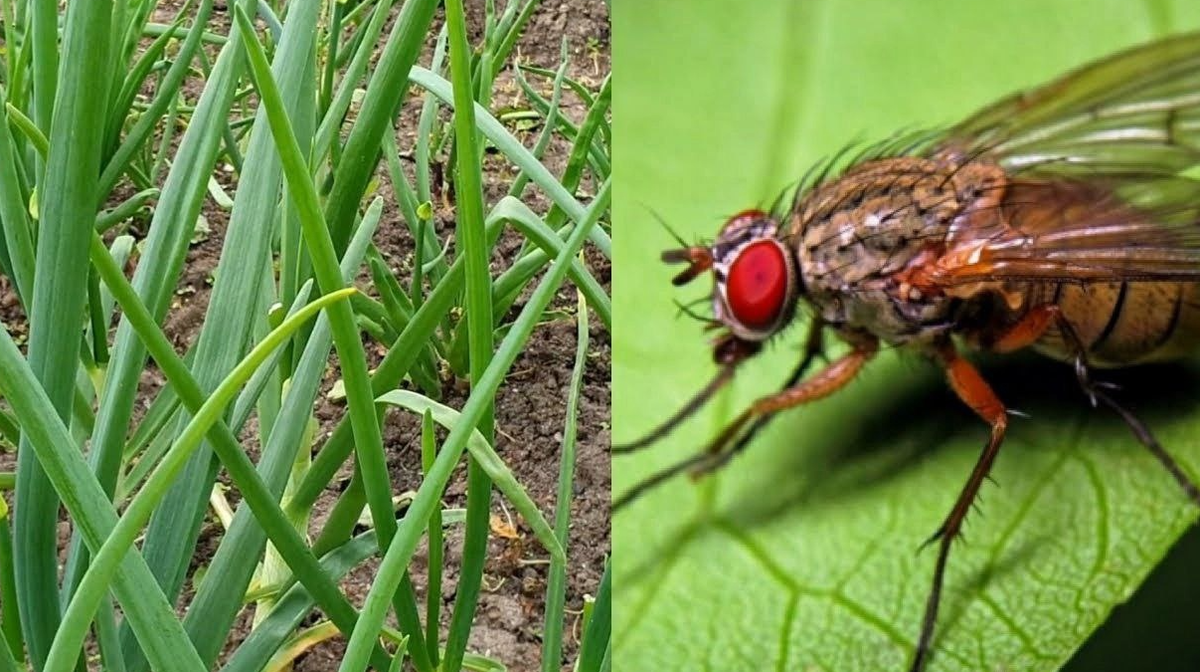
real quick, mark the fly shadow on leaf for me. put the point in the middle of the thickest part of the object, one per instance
(798, 463)
(891, 432)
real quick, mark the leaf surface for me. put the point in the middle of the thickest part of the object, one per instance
(802, 554)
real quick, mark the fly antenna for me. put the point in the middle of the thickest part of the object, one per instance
(663, 223)
(699, 259)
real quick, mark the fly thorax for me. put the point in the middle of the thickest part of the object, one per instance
(863, 239)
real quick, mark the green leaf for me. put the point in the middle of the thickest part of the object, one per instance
(489, 461)
(59, 287)
(802, 554)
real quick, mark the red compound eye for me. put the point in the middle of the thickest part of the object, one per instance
(757, 284)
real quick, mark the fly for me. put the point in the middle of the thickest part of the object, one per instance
(1059, 219)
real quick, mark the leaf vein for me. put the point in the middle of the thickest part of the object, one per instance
(666, 564)
(789, 616)
(1027, 504)
(1013, 627)
(1103, 523)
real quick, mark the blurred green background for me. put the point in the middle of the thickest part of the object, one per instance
(802, 554)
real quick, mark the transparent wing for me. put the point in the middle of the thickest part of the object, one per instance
(1097, 161)
(1136, 112)
(1081, 230)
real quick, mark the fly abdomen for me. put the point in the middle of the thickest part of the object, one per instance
(1124, 323)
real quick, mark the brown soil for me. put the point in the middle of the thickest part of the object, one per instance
(530, 407)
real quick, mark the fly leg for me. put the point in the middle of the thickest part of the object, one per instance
(1034, 325)
(706, 461)
(825, 382)
(1031, 327)
(1146, 438)
(813, 348)
(729, 353)
(974, 391)
(1096, 391)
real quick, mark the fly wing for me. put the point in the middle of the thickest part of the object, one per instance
(1136, 112)
(1095, 161)
(1080, 231)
